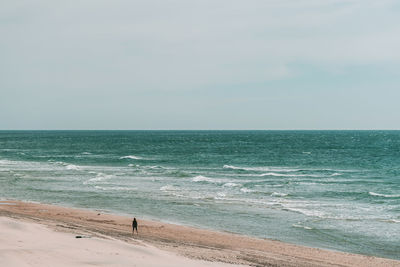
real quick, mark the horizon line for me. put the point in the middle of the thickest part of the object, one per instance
(15, 130)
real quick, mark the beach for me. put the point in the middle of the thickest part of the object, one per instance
(285, 186)
(34, 234)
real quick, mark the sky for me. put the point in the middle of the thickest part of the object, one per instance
(200, 64)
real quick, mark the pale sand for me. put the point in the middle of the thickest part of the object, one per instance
(31, 244)
(110, 243)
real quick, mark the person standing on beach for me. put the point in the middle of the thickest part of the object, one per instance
(134, 226)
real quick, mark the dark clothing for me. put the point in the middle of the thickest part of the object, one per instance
(134, 225)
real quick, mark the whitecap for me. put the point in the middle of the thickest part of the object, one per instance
(259, 169)
(276, 174)
(72, 167)
(168, 188)
(113, 188)
(201, 178)
(155, 167)
(231, 185)
(8, 162)
(99, 177)
(86, 153)
(233, 167)
(301, 226)
(313, 213)
(131, 157)
(277, 194)
(246, 190)
(287, 175)
(220, 195)
(382, 195)
(246, 168)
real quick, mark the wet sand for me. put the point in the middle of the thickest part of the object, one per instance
(157, 244)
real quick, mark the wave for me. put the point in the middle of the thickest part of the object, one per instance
(383, 195)
(168, 188)
(99, 177)
(335, 172)
(233, 167)
(278, 174)
(302, 226)
(155, 167)
(72, 167)
(287, 175)
(389, 220)
(201, 178)
(279, 169)
(114, 188)
(276, 194)
(246, 190)
(220, 196)
(131, 157)
(8, 162)
(307, 212)
(231, 184)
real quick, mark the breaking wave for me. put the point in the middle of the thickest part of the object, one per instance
(383, 195)
(131, 157)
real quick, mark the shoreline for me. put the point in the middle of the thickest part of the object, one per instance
(189, 242)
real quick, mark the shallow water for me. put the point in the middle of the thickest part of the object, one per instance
(330, 189)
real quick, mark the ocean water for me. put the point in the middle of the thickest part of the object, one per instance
(329, 189)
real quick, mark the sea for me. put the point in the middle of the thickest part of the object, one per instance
(337, 190)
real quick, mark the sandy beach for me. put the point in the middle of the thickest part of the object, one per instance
(34, 234)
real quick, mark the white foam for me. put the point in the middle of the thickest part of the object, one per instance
(99, 177)
(392, 221)
(383, 195)
(301, 226)
(201, 178)
(277, 194)
(259, 169)
(311, 213)
(7, 162)
(231, 185)
(246, 190)
(131, 157)
(168, 188)
(277, 174)
(246, 168)
(221, 195)
(287, 175)
(113, 188)
(155, 167)
(72, 167)
(86, 153)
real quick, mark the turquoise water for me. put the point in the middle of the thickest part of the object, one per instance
(329, 189)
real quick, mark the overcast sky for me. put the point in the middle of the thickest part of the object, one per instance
(200, 64)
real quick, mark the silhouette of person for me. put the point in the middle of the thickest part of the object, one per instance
(134, 226)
